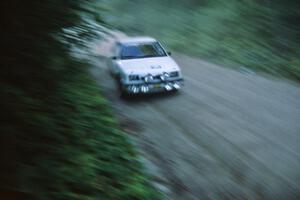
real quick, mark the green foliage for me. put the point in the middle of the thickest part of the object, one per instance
(261, 35)
(58, 138)
(77, 151)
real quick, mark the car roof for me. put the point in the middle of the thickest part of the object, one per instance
(136, 40)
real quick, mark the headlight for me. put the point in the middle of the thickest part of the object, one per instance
(164, 76)
(148, 78)
(134, 77)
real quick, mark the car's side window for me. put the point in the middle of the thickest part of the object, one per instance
(117, 50)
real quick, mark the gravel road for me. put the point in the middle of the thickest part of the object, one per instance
(228, 134)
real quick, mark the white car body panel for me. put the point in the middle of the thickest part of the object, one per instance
(144, 66)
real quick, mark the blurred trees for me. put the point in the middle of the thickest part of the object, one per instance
(58, 137)
(263, 35)
(30, 72)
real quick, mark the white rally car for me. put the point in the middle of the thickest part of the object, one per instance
(141, 65)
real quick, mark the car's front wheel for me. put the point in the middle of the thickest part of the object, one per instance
(123, 92)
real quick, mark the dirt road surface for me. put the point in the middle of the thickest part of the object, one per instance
(228, 134)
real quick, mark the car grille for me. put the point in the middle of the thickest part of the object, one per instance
(156, 78)
(174, 74)
(134, 77)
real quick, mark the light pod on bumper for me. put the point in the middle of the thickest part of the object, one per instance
(135, 89)
(168, 87)
(176, 86)
(144, 88)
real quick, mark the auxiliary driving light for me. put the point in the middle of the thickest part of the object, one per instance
(135, 89)
(144, 88)
(168, 87)
(176, 86)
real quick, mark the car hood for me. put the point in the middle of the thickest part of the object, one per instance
(143, 66)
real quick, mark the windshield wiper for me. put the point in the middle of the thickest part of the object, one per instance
(148, 56)
(129, 57)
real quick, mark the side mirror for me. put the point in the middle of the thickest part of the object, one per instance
(113, 57)
(169, 53)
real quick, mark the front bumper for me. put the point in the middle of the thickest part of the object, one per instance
(156, 87)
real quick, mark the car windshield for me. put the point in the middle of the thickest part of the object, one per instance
(141, 50)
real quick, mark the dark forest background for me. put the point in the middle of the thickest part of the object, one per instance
(59, 139)
(262, 35)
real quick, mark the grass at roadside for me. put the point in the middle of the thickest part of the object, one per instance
(104, 152)
(69, 146)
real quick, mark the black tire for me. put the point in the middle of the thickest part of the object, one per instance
(113, 75)
(123, 93)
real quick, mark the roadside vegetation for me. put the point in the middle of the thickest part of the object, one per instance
(59, 138)
(260, 35)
